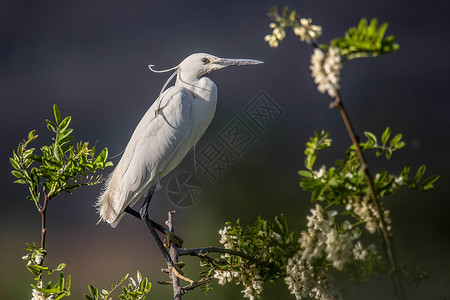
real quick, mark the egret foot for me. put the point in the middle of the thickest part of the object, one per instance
(177, 240)
(174, 238)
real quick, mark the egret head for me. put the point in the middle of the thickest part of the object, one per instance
(199, 64)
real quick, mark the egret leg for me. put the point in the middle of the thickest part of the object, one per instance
(170, 235)
(144, 217)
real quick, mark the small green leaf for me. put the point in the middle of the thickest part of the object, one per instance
(419, 173)
(57, 114)
(65, 123)
(92, 290)
(15, 164)
(396, 140)
(371, 137)
(51, 127)
(399, 145)
(379, 152)
(385, 136)
(428, 183)
(17, 174)
(68, 282)
(20, 181)
(58, 153)
(305, 173)
(60, 266)
(32, 135)
(63, 134)
(388, 153)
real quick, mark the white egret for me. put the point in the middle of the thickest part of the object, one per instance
(167, 132)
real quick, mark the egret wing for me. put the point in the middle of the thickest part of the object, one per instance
(159, 135)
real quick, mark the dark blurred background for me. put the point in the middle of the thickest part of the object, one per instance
(91, 57)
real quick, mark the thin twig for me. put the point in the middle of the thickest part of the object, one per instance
(193, 285)
(43, 213)
(202, 252)
(384, 233)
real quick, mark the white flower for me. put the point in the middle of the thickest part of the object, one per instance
(325, 69)
(226, 239)
(338, 248)
(304, 281)
(399, 180)
(222, 276)
(278, 34)
(306, 31)
(320, 173)
(38, 258)
(248, 293)
(364, 209)
(38, 295)
(254, 290)
(223, 235)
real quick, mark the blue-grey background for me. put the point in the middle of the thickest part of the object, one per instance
(91, 57)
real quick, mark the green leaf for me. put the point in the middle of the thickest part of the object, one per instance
(419, 173)
(379, 152)
(58, 153)
(60, 267)
(396, 140)
(305, 173)
(68, 282)
(428, 183)
(15, 164)
(388, 153)
(17, 174)
(65, 123)
(63, 134)
(51, 126)
(92, 290)
(371, 137)
(385, 136)
(57, 114)
(32, 135)
(20, 181)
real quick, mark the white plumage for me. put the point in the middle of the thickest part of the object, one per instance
(166, 133)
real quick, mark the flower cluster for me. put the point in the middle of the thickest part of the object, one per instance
(325, 69)
(305, 281)
(249, 278)
(278, 34)
(323, 239)
(304, 29)
(267, 247)
(364, 210)
(38, 295)
(307, 31)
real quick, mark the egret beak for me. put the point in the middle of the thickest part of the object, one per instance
(225, 62)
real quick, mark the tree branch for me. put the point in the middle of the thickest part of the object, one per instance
(202, 252)
(173, 251)
(384, 233)
(43, 213)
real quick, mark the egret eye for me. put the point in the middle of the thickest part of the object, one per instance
(205, 60)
